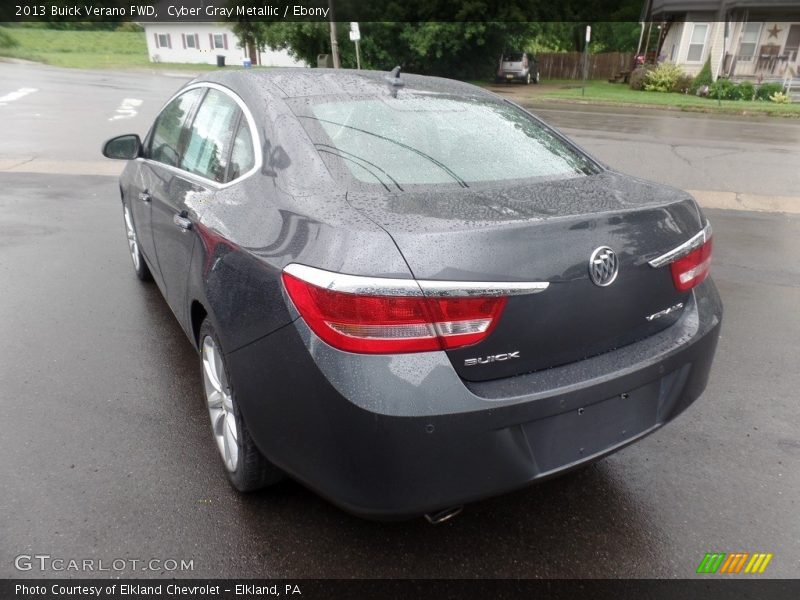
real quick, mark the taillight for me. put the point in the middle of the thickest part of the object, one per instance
(693, 268)
(690, 262)
(393, 320)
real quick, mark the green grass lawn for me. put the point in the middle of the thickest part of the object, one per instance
(85, 49)
(602, 92)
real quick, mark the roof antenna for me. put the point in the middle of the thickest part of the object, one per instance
(394, 77)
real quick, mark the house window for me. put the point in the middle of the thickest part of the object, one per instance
(750, 34)
(697, 42)
(190, 41)
(163, 40)
(219, 40)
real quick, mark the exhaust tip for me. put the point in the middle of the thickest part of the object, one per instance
(439, 517)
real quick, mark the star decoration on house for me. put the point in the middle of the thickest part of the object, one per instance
(773, 33)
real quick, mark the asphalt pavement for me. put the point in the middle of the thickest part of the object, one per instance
(107, 452)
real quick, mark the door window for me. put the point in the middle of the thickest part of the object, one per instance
(210, 135)
(165, 140)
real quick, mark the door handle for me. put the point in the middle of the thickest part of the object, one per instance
(144, 196)
(182, 221)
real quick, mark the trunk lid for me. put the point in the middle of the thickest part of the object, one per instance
(546, 232)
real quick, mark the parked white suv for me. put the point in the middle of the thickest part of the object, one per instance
(518, 66)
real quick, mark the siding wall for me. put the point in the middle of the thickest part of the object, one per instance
(712, 46)
(717, 46)
(205, 53)
(750, 68)
(672, 42)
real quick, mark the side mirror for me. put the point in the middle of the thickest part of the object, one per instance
(125, 147)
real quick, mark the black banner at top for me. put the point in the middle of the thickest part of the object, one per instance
(389, 10)
(321, 10)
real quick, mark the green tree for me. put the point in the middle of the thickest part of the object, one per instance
(454, 39)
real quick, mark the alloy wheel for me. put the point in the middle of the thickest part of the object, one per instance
(220, 404)
(133, 242)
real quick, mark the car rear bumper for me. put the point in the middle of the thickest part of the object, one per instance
(512, 76)
(397, 436)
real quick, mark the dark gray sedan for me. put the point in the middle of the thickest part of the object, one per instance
(409, 293)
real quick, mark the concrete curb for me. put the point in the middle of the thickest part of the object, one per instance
(748, 202)
(31, 164)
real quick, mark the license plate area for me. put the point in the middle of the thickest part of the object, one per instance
(577, 435)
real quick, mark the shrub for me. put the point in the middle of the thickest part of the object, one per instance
(703, 77)
(724, 89)
(663, 78)
(747, 90)
(636, 80)
(765, 90)
(129, 26)
(779, 98)
(683, 85)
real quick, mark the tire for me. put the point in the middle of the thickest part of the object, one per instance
(536, 78)
(247, 469)
(139, 265)
(528, 78)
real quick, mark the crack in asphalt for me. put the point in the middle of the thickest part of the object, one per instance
(19, 164)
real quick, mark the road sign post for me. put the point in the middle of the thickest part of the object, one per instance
(355, 36)
(586, 58)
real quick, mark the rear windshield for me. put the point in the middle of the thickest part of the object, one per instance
(417, 139)
(512, 57)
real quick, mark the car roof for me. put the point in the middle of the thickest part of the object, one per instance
(305, 82)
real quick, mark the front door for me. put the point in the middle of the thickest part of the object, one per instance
(162, 156)
(187, 189)
(792, 48)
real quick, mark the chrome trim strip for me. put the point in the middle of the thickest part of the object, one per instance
(354, 284)
(251, 122)
(444, 289)
(692, 244)
(384, 286)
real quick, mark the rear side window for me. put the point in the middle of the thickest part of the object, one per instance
(210, 136)
(165, 141)
(242, 155)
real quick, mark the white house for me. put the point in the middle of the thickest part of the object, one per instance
(202, 42)
(745, 39)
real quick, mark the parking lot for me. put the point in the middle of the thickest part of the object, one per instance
(106, 442)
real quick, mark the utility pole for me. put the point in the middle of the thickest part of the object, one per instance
(334, 43)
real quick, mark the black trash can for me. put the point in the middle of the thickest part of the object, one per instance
(220, 60)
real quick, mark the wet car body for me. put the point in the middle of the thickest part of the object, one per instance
(570, 371)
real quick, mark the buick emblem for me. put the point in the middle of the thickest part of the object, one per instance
(603, 266)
